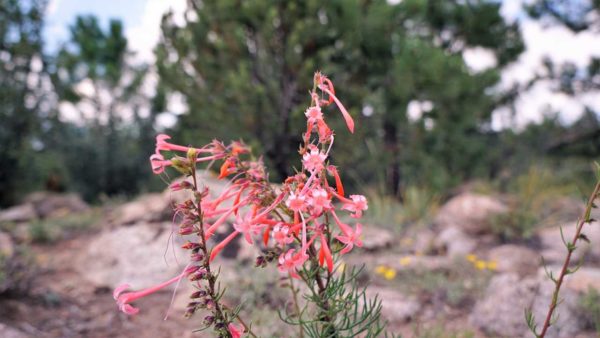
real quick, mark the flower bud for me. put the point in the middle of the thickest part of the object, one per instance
(197, 257)
(187, 230)
(261, 262)
(198, 294)
(192, 155)
(200, 274)
(183, 165)
(190, 245)
(208, 320)
(209, 304)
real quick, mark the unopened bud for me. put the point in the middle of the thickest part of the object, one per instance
(197, 257)
(208, 320)
(187, 230)
(192, 155)
(198, 294)
(200, 274)
(182, 165)
(261, 262)
(209, 304)
(190, 245)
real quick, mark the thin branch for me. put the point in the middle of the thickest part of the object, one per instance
(565, 268)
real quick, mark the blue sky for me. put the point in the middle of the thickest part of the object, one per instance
(62, 13)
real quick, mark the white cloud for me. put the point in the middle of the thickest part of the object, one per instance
(52, 6)
(143, 37)
(479, 59)
(560, 45)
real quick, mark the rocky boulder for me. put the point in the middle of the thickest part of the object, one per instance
(10, 332)
(455, 242)
(47, 204)
(18, 213)
(515, 258)
(553, 249)
(7, 247)
(501, 311)
(395, 307)
(470, 212)
(146, 208)
(376, 238)
(141, 255)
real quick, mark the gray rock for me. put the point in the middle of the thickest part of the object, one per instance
(454, 242)
(10, 332)
(580, 281)
(147, 208)
(424, 242)
(19, 213)
(376, 238)
(470, 212)
(554, 250)
(47, 204)
(395, 307)
(7, 247)
(501, 311)
(515, 258)
(140, 255)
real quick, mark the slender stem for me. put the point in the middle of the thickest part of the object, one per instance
(209, 275)
(296, 304)
(565, 267)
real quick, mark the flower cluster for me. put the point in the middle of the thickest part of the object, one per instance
(300, 219)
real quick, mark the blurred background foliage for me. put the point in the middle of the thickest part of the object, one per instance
(244, 68)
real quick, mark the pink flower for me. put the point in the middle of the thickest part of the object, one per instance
(314, 114)
(247, 227)
(234, 331)
(158, 163)
(124, 299)
(327, 87)
(319, 201)
(351, 239)
(356, 205)
(296, 202)
(290, 262)
(282, 235)
(163, 145)
(313, 159)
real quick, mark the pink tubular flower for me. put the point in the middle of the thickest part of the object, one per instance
(124, 299)
(351, 239)
(247, 227)
(163, 145)
(234, 331)
(282, 234)
(158, 163)
(296, 202)
(290, 262)
(313, 159)
(319, 201)
(356, 205)
(327, 87)
(314, 114)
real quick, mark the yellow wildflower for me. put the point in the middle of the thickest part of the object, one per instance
(492, 265)
(404, 261)
(389, 274)
(472, 258)
(480, 265)
(406, 241)
(381, 269)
